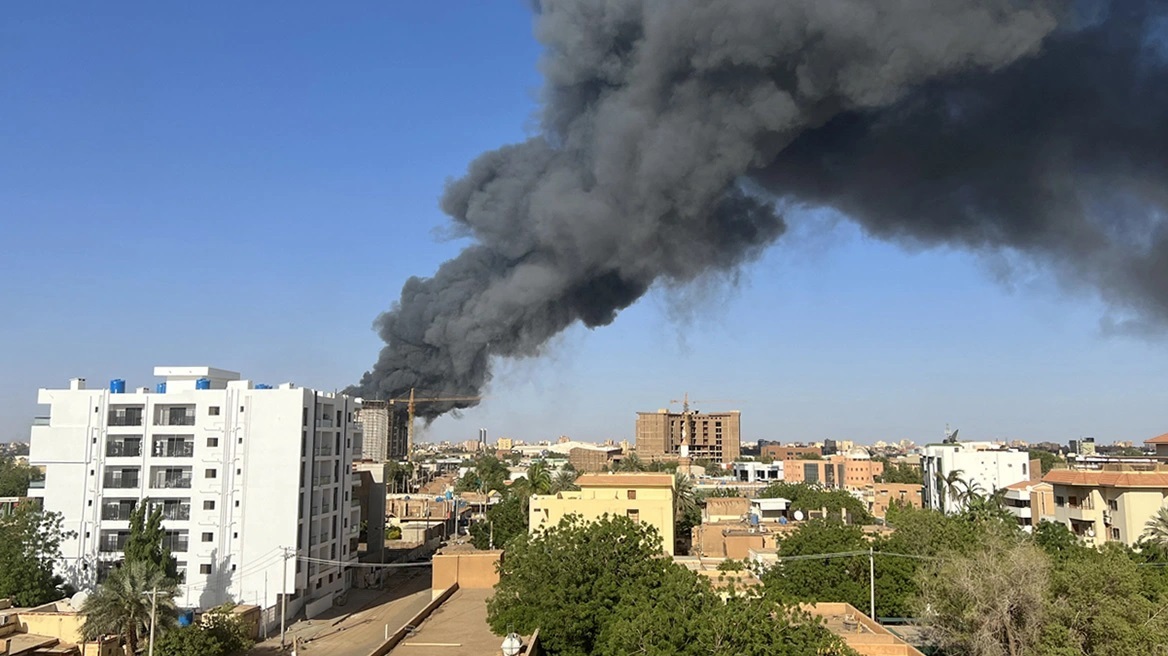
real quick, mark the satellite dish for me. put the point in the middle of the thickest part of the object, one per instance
(1091, 532)
(798, 515)
(78, 599)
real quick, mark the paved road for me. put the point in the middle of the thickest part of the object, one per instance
(359, 626)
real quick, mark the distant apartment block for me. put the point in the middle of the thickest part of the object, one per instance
(385, 430)
(848, 472)
(642, 497)
(1112, 503)
(978, 464)
(1030, 502)
(887, 495)
(755, 472)
(245, 475)
(714, 436)
(592, 459)
(789, 451)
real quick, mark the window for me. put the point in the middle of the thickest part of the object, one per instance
(213, 411)
(632, 495)
(1060, 501)
(1113, 504)
(237, 504)
(233, 568)
(238, 472)
(1114, 534)
(235, 535)
(635, 515)
(209, 504)
(210, 473)
(205, 568)
(212, 441)
(241, 408)
(208, 537)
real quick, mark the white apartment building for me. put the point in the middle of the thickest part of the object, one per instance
(253, 482)
(749, 471)
(979, 463)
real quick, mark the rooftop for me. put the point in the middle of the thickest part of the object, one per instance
(625, 480)
(1159, 439)
(456, 628)
(859, 631)
(1111, 476)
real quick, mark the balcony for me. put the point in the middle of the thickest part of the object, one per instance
(118, 511)
(323, 479)
(121, 480)
(38, 484)
(40, 421)
(172, 448)
(170, 479)
(111, 542)
(123, 449)
(175, 541)
(125, 417)
(175, 416)
(323, 450)
(173, 511)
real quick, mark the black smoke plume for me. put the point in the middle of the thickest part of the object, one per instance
(672, 129)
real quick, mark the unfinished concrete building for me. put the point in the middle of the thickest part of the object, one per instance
(385, 426)
(714, 436)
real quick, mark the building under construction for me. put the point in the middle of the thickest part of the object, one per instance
(386, 430)
(714, 436)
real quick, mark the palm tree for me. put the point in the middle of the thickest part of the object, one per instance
(121, 605)
(564, 481)
(630, 463)
(683, 495)
(539, 478)
(949, 486)
(1156, 530)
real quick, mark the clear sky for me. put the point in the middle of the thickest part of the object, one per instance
(247, 185)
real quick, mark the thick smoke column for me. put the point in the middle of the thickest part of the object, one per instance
(671, 127)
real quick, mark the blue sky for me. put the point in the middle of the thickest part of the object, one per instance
(247, 186)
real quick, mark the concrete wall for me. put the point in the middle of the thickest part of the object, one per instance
(471, 570)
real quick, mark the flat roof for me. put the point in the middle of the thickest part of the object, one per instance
(625, 480)
(196, 372)
(456, 628)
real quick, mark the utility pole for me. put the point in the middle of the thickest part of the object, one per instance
(284, 598)
(872, 585)
(153, 609)
(264, 606)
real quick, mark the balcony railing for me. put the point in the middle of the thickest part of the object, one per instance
(323, 450)
(121, 481)
(125, 419)
(40, 421)
(117, 512)
(167, 482)
(110, 543)
(175, 543)
(38, 484)
(123, 449)
(176, 420)
(174, 449)
(323, 479)
(175, 512)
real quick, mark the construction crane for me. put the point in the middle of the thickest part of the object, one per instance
(411, 411)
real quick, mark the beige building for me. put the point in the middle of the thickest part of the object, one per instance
(842, 472)
(505, 444)
(884, 495)
(642, 497)
(592, 459)
(1031, 502)
(716, 436)
(384, 427)
(1109, 504)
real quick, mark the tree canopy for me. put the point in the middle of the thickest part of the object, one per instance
(30, 543)
(813, 499)
(147, 538)
(605, 588)
(15, 477)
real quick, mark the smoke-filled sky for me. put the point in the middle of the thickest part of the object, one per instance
(854, 223)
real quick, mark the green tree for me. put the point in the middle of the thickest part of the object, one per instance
(900, 472)
(121, 605)
(821, 579)
(991, 602)
(228, 628)
(1156, 530)
(147, 538)
(30, 543)
(564, 481)
(486, 474)
(567, 579)
(1047, 459)
(810, 499)
(504, 521)
(687, 514)
(951, 485)
(1099, 605)
(15, 477)
(398, 476)
(629, 463)
(189, 641)
(539, 478)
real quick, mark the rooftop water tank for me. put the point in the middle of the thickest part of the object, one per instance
(117, 386)
(160, 388)
(203, 384)
(263, 386)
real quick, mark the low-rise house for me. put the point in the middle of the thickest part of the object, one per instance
(642, 497)
(1112, 503)
(1031, 502)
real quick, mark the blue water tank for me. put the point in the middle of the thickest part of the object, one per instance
(186, 617)
(449, 495)
(439, 499)
(203, 383)
(117, 386)
(160, 388)
(263, 386)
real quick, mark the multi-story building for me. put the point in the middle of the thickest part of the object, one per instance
(254, 482)
(753, 472)
(789, 451)
(504, 444)
(592, 459)
(385, 430)
(642, 497)
(1030, 502)
(980, 465)
(714, 436)
(850, 472)
(885, 495)
(1111, 503)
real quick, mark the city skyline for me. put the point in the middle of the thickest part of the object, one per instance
(313, 166)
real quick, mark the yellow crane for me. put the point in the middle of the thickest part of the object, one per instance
(411, 411)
